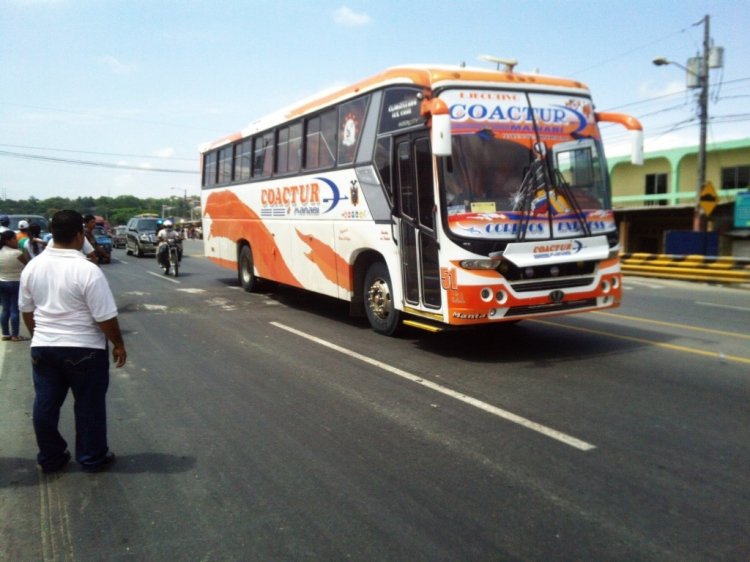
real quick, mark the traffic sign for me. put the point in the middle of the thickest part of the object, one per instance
(708, 199)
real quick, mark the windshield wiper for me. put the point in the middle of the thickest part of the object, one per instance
(538, 178)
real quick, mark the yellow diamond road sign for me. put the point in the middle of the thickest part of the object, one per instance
(709, 198)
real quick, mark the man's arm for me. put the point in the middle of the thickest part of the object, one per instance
(111, 329)
(28, 320)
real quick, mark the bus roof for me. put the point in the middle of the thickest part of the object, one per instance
(427, 76)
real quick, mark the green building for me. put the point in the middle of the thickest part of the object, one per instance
(660, 196)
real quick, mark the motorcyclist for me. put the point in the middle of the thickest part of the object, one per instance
(163, 237)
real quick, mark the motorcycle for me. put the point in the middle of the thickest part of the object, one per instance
(169, 257)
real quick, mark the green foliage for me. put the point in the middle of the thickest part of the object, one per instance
(117, 210)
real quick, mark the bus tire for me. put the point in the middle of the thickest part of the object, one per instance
(245, 273)
(378, 296)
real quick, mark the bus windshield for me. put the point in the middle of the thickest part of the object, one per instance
(496, 138)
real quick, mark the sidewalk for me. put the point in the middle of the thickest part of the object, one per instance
(734, 272)
(24, 491)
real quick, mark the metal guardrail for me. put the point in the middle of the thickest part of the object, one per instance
(690, 268)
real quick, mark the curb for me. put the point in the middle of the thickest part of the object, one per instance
(716, 269)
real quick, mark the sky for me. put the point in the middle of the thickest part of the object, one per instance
(114, 97)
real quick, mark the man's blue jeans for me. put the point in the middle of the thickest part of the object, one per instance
(85, 371)
(10, 318)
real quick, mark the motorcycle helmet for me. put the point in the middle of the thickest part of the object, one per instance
(167, 223)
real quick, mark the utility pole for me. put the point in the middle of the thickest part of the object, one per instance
(698, 222)
(697, 77)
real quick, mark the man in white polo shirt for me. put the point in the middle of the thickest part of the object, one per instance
(69, 310)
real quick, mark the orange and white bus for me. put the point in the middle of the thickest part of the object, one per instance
(427, 196)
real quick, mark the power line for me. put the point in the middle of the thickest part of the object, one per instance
(98, 153)
(663, 96)
(95, 164)
(626, 53)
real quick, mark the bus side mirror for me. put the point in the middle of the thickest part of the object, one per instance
(636, 132)
(636, 149)
(441, 134)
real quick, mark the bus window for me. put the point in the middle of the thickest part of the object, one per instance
(209, 169)
(242, 161)
(406, 181)
(263, 155)
(312, 143)
(288, 149)
(351, 117)
(295, 147)
(401, 109)
(225, 164)
(425, 186)
(582, 169)
(383, 164)
(320, 141)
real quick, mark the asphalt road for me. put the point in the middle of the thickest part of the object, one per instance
(272, 426)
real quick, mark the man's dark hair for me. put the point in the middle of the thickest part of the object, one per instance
(88, 218)
(6, 235)
(65, 225)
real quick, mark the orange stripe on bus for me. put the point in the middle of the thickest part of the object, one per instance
(232, 219)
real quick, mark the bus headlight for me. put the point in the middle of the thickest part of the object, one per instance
(480, 264)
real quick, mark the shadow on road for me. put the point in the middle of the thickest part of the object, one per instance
(18, 471)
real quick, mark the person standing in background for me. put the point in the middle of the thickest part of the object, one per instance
(69, 310)
(34, 244)
(12, 261)
(23, 232)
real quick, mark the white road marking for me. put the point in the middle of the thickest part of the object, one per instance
(192, 290)
(162, 276)
(506, 415)
(155, 307)
(730, 307)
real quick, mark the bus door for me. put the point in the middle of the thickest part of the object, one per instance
(415, 196)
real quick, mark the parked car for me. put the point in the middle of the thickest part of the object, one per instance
(31, 219)
(120, 236)
(141, 235)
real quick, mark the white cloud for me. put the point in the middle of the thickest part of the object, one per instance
(115, 65)
(165, 152)
(347, 17)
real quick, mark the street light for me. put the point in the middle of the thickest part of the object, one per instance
(702, 83)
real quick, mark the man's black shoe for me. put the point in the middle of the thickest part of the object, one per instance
(59, 466)
(108, 461)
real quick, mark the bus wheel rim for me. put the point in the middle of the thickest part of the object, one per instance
(379, 298)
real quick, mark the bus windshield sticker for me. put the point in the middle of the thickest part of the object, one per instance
(514, 116)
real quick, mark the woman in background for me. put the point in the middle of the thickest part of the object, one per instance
(12, 261)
